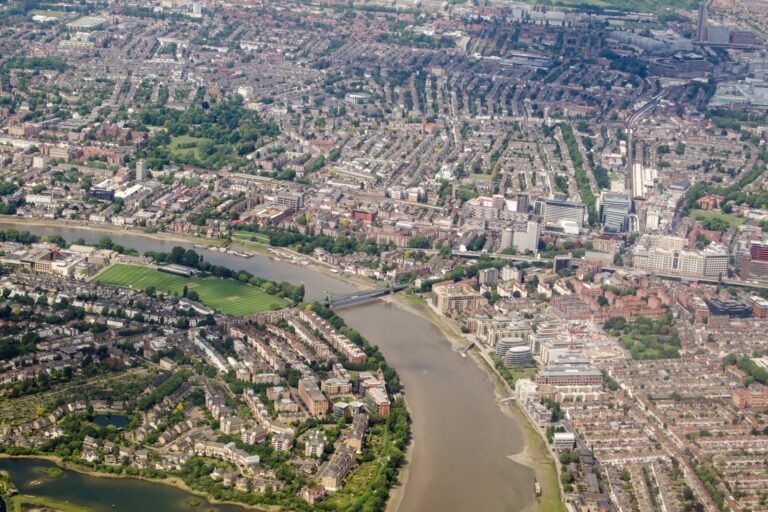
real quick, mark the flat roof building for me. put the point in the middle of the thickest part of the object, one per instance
(556, 211)
(290, 200)
(377, 401)
(87, 23)
(455, 298)
(571, 370)
(313, 398)
(666, 253)
(728, 308)
(564, 440)
(614, 212)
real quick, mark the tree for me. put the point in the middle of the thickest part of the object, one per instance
(419, 242)
(184, 291)
(105, 243)
(177, 255)
(58, 240)
(568, 456)
(193, 295)
(191, 258)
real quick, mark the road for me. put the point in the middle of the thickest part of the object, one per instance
(501, 256)
(695, 279)
(631, 121)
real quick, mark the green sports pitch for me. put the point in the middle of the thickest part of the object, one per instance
(224, 295)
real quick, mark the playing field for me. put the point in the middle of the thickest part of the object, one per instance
(224, 295)
(51, 14)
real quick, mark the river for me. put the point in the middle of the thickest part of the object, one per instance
(463, 440)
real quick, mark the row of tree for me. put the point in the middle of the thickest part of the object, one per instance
(191, 258)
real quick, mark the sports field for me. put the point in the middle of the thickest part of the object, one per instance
(50, 14)
(224, 295)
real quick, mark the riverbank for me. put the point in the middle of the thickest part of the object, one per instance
(110, 229)
(249, 245)
(416, 305)
(170, 481)
(397, 491)
(535, 454)
(429, 370)
(24, 501)
(313, 263)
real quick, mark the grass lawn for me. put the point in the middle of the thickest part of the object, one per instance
(732, 220)
(247, 245)
(22, 502)
(225, 295)
(523, 373)
(52, 14)
(253, 237)
(184, 140)
(477, 177)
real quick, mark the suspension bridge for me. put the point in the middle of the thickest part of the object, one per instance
(338, 300)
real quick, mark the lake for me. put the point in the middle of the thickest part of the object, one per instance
(102, 494)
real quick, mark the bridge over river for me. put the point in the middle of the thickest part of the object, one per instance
(338, 300)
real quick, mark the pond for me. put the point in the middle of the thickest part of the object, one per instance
(104, 420)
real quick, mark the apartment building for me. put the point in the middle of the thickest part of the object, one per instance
(453, 298)
(666, 254)
(313, 398)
